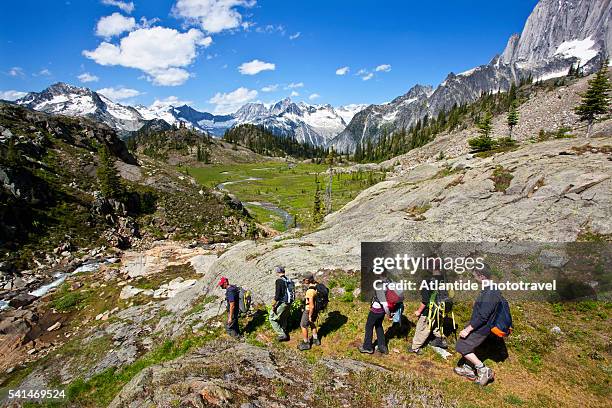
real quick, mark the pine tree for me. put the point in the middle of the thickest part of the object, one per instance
(13, 157)
(108, 177)
(513, 117)
(317, 209)
(596, 100)
(484, 142)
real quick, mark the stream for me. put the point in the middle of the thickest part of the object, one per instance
(59, 278)
(287, 218)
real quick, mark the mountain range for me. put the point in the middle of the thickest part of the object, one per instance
(557, 35)
(315, 124)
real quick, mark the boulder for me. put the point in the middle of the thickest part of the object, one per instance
(21, 300)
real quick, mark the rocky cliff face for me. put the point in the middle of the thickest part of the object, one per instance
(557, 35)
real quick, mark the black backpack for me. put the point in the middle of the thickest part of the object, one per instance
(322, 297)
(289, 296)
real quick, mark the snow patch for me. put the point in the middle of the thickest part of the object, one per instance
(581, 49)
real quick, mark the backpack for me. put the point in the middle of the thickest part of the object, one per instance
(502, 324)
(289, 290)
(394, 299)
(244, 300)
(322, 297)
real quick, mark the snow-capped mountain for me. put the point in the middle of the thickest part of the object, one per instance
(557, 35)
(203, 121)
(70, 100)
(315, 124)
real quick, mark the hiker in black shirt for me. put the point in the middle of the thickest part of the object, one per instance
(281, 305)
(423, 329)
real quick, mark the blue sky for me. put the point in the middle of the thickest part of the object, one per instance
(192, 50)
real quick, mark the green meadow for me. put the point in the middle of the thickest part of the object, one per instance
(290, 187)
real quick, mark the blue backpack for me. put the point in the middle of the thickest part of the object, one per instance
(502, 324)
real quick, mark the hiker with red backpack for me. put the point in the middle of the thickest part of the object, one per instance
(490, 319)
(385, 302)
(232, 297)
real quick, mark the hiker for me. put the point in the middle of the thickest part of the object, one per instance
(478, 330)
(232, 297)
(427, 324)
(310, 314)
(284, 296)
(392, 302)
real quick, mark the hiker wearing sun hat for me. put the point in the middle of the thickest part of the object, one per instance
(232, 297)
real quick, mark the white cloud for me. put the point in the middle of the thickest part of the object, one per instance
(123, 5)
(342, 71)
(294, 85)
(271, 28)
(158, 51)
(43, 72)
(87, 77)
(213, 16)
(255, 67)
(232, 101)
(362, 71)
(15, 72)
(270, 88)
(114, 24)
(12, 95)
(295, 36)
(119, 94)
(367, 77)
(168, 102)
(383, 68)
(294, 93)
(314, 96)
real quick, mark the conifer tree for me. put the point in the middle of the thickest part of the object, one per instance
(596, 100)
(108, 177)
(484, 142)
(317, 209)
(513, 117)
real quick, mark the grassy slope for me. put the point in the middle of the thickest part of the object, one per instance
(543, 369)
(290, 189)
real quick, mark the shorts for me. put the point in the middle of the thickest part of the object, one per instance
(304, 323)
(469, 344)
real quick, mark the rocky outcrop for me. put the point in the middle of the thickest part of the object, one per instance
(559, 189)
(232, 374)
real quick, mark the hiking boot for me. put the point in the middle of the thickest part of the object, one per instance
(417, 351)
(439, 342)
(303, 346)
(484, 375)
(466, 371)
(365, 350)
(282, 338)
(316, 342)
(382, 351)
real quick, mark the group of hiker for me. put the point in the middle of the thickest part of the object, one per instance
(490, 318)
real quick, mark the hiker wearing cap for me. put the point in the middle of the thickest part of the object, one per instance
(477, 331)
(232, 297)
(284, 295)
(309, 316)
(427, 325)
